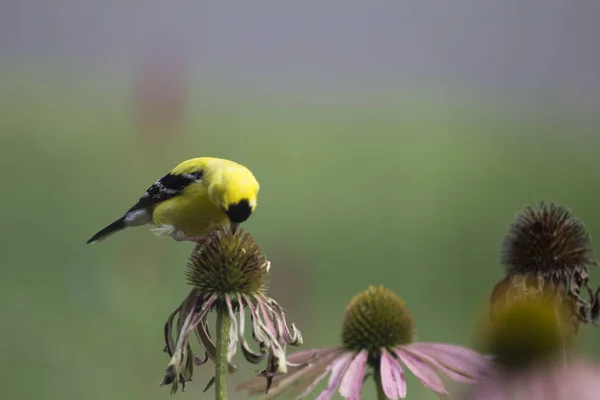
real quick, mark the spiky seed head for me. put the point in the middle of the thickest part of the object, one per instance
(228, 263)
(546, 240)
(377, 318)
(527, 330)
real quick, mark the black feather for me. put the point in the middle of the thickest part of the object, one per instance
(110, 229)
(165, 188)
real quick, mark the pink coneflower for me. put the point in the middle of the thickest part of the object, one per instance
(377, 334)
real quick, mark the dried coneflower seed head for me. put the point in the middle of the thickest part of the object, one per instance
(377, 318)
(526, 331)
(229, 262)
(547, 240)
(551, 249)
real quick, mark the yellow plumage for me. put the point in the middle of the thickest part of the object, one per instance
(197, 196)
(184, 213)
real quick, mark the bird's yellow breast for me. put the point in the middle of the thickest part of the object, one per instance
(192, 212)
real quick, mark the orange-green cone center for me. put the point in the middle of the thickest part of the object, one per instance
(229, 263)
(377, 318)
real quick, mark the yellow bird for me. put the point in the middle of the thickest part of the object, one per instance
(197, 196)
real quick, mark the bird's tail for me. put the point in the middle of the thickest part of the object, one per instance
(109, 230)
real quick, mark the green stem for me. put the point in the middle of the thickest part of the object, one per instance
(380, 393)
(221, 370)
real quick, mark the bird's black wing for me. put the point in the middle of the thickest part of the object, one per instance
(165, 188)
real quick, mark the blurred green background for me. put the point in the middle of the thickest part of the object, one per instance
(413, 192)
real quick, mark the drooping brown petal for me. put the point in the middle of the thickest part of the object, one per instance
(270, 372)
(257, 332)
(200, 362)
(276, 348)
(206, 341)
(169, 341)
(188, 369)
(183, 310)
(293, 338)
(266, 318)
(250, 355)
(189, 305)
(211, 350)
(178, 370)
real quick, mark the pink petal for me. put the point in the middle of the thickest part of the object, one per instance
(459, 363)
(457, 354)
(423, 371)
(267, 318)
(354, 376)
(338, 367)
(392, 378)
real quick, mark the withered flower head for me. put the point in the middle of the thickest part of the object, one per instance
(229, 273)
(377, 333)
(229, 263)
(549, 247)
(547, 240)
(527, 331)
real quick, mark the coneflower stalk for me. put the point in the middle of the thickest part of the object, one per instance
(229, 274)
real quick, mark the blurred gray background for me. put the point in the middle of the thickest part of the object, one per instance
(532, 45)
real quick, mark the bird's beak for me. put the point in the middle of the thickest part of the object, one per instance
(234, 227)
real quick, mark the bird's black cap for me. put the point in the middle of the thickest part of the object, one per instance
(239, 212)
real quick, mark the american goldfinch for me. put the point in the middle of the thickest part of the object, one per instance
(197, 196)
